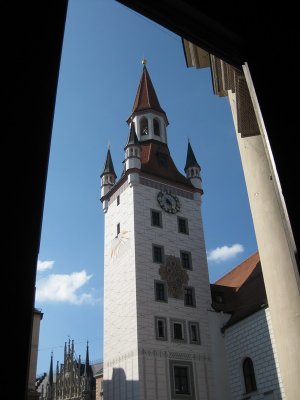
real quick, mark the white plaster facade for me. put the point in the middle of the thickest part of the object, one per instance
(253, 337)
(136, 363)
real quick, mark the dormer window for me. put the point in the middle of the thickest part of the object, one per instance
(156, 127)
(144, 126)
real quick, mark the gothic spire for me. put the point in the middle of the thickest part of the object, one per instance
(191, 159)
(51, 370)
(108, 165)
(132, 137)
(87, 361)
(146, 97)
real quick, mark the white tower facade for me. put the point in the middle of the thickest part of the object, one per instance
(156, 286)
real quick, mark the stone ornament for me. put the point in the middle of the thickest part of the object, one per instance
(175, 276)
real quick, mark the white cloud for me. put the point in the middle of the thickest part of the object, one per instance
(63, 288)
(224, 253)
(43, 265)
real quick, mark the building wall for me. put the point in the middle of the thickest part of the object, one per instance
(120, 315)
(136, 364)
(219, 359)
(154, 355)
(271, 226)
(253, 337)
(37, 316)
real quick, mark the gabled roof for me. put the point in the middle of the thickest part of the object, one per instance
(238, 275)
(146, 97)
(241, 292)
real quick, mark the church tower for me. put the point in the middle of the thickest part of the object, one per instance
(156, 285)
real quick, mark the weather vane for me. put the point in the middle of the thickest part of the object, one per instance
(144, 61)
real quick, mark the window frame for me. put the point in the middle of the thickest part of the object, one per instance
(156, 282)
(157, 319)
(156, 120)
(143, 126)
(152, 211)
(186, 229)
(249, 373)
(189, 254)
(174, 321)
(193, 296)
(194, 323)
(162, 253)
(189, 367)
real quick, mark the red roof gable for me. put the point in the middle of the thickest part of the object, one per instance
(156, 160)
(241, 292)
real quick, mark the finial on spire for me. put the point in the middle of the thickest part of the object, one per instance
(144, 61)
(108, 145)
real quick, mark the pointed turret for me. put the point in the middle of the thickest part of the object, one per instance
(132, 156)
(51, 371)
(108, 168)
(192, 168)
(149, 118)
(87, 361)
(132, 137)
(108, 178)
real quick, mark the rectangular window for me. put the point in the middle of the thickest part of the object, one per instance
(160, 291)
(194, 332)
(186, 259)
(157, 253)
(182, 384)
(156, 219)
(178, 330)
(183, 225)
(118, 229)
(118, 200)
(189, 297)
(178, 334)
(181, 380)
(161, 328)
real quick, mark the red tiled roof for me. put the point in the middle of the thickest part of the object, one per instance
(237, 276)
(146, 97)
(240, 292)
(156, 160)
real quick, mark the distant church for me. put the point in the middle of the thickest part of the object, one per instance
(168, 333)
(72, 380)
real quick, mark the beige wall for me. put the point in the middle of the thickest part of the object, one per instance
(276, 247)
(37, 316)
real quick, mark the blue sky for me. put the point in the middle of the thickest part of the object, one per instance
(100, 70)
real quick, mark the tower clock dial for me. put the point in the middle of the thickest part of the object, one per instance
(168, 202)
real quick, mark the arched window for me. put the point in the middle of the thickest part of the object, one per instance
(156, 127)
(249, 376)
(144, 126)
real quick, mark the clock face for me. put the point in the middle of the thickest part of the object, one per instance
(168, 202)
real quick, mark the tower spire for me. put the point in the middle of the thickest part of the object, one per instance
(146, 97)
(192, 169)
(108, 165)
(87, 361)
(51, 370)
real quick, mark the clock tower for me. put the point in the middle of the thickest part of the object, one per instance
(156, 285)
